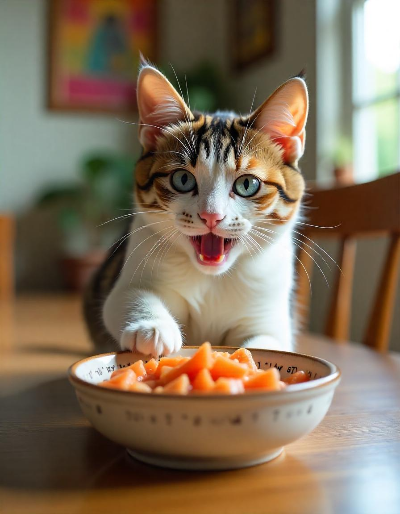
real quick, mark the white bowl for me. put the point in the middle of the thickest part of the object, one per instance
(206, 431)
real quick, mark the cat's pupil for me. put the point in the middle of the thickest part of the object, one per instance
(184, 179)
(246, 183)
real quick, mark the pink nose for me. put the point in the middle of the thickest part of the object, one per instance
(211, 219)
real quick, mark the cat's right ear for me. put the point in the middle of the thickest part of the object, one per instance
(159, 105)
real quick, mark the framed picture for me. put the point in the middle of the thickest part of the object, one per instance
(254, 31)
(94, 52)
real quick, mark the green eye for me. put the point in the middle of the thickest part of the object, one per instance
(183, 181)
(246, 185)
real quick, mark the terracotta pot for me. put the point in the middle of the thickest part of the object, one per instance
(77, 271)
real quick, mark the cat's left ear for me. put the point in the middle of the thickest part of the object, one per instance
(283, 117)
(159, 105)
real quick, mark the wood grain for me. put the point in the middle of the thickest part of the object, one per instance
(53, 462)
(7, 234)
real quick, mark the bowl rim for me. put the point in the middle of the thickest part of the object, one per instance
(333, 377)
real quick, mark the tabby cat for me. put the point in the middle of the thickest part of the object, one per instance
(209, 254)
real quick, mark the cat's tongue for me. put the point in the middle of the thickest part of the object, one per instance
(212, 248)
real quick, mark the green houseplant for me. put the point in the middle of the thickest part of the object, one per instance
(102, 191)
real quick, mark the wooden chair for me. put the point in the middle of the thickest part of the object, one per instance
(6, 257)
(356, 211)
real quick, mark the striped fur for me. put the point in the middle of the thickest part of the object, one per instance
(216, 149)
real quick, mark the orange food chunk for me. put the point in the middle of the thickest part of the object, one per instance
(243, 355)
(203, 381)
(297, 378)
(118, 372)
(206, 371)
(228, 386)
(151, 366)
(267, 380)
(140, 387)
(201, 359)
(121, 381)
(171, 362)
(181, 385)
(224, 354)
(225, 367)
(165, 370)
(139, 369)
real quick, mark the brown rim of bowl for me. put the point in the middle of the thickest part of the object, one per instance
(317, 383)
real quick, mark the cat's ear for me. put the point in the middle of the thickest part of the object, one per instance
(159, 105)
(283, 117)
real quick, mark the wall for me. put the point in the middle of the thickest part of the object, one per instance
(37, 145)
(295, 51)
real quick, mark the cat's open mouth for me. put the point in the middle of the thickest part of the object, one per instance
(211, 250)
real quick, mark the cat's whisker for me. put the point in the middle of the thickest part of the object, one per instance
(151, 252)
(137, 267)
(315, 226)
(316, 263)
(140, 244)
(172, 244)
(255, 243)
(270, 240)
(247, 123)
(185, 114)
(242, 239)
(182, 155)
(258, 131)
(311, 257)
(320, 247)
(163, 129)
(124, 216)
(302, 242)
(124, 237)
(165, 249)
(164, 239)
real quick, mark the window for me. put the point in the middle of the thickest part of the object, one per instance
(376, 87)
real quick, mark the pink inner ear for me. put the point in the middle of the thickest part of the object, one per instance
(283, 117)
(159, 105)
(293, 147)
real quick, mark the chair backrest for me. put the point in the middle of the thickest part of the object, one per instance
(352, 212)
(6, 256)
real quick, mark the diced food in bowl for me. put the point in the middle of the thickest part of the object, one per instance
(205, 372)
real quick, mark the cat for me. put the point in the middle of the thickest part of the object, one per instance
(209, 254)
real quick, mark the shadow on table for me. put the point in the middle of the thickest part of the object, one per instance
(55, 350)
(47, 445)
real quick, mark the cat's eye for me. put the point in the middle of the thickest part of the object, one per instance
(183, 181)
(246, 185)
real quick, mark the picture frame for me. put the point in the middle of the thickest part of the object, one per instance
(94, 53)
(253, 31)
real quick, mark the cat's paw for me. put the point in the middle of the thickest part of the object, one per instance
(265, 342)
(157, 336)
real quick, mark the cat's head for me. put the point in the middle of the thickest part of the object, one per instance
(219, 177)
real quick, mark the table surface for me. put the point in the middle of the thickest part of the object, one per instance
(52, 461)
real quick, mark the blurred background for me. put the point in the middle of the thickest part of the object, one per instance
(67, 87)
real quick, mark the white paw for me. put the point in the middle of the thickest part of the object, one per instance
(156, 336)
(266, 343)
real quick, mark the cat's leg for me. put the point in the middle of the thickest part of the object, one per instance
(141, 321)
(264, 340)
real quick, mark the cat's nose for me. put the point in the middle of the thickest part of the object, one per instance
(211, 219)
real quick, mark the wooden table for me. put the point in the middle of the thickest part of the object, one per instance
(52, 461)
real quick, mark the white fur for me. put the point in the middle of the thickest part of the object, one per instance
(248, 305)
(163, 293)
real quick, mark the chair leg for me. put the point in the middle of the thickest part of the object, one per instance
(338, 322)
(380, 320)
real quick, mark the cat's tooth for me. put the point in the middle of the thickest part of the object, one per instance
(220, 258)
(201, 257)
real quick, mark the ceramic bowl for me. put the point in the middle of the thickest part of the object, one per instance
(206, 431)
